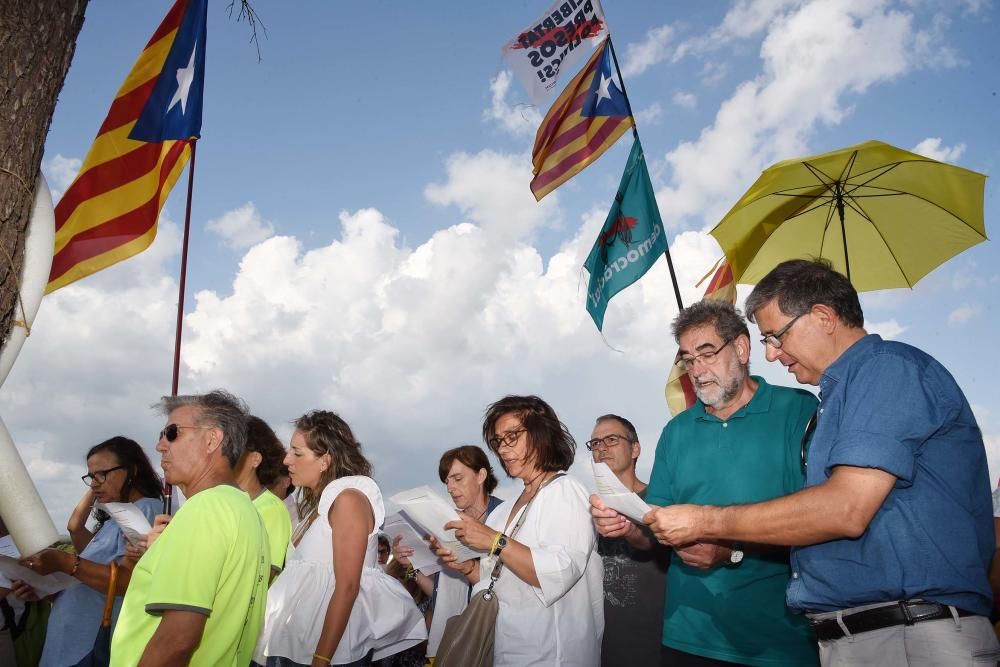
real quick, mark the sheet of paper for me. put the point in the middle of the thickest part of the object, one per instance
(617, 496)
(431, 512)
(43, 584)
(8, 548)
(423, 559)
(129, 518)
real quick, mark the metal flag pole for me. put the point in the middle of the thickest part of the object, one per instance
(635, 135)
(167, 488)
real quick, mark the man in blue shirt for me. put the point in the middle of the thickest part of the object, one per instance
(893, 532)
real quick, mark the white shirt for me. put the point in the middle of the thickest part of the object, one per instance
(561, 622)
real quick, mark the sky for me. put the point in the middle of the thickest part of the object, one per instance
(364, 239)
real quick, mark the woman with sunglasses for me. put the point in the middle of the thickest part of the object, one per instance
(332, 604)
(551, 585)
(118, 471)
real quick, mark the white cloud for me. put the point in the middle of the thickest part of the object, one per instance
(962, 314)
(521, 119)
(649, 115)
(408, 343)
(814, 56)
(59, 173)
(933, 148)
(241, 227)
(888, 329)
(640, 56)
(685, 100)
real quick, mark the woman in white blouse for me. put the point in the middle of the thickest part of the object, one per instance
(332, 604)
(551, 586)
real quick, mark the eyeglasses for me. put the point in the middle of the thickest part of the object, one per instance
(607, 442)
(774, 340)
(506, 440)
(707, 358)
(171, 432)
(99, 476)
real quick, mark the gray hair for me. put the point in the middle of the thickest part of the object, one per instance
(800, 284)
(724, 317)
(218, 409)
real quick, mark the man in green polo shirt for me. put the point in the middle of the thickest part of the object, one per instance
(739, 443)
(197, 596)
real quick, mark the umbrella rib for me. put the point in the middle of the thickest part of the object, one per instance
(857, 207)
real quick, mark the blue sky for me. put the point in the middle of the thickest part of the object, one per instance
(364, 239)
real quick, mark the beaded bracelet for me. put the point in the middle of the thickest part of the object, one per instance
(76, 566)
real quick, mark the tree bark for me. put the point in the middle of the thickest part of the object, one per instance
(37, 41)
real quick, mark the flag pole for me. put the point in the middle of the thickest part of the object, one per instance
(167, 489)
(635, 134)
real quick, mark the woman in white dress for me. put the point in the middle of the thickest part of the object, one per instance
(551, 586)
(332, 604)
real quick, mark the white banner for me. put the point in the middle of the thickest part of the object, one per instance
(568, 31)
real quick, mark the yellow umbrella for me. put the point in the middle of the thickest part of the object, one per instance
(883, 216)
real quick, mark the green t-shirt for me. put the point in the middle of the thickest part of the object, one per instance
(278, 524)
(735, 613)
(213, 558)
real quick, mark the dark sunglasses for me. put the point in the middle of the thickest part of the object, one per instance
(171, 432)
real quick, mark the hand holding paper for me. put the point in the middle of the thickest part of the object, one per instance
(431, 512)
(129, 518)
(615, 495)
(397, 527)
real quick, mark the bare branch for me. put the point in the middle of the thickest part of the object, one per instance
(253, 18)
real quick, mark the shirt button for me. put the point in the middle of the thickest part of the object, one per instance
(821, 410)
(725, 424)
(795, 575)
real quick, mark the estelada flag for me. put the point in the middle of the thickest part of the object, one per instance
(586, 119)
(110, 210)
(679, 390)
(631, 240)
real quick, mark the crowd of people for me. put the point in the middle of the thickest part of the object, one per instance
(856, 529)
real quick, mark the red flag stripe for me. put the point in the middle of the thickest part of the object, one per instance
(126, 109)
(575, 132)
(108, 235)
(571, 160)
(557, 120)
(171, 22)
(106, 177)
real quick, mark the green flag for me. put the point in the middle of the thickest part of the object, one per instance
(630, 241)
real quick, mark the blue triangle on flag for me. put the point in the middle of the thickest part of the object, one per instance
(605, 97)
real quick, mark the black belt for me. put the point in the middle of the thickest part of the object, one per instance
(902, 613)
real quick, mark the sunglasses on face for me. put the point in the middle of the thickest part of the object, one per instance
(171, 432)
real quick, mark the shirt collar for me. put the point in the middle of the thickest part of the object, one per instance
(839, 368)
(760, 402)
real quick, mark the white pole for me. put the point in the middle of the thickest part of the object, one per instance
(21, 506)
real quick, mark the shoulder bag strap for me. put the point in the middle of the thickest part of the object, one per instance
(499, 566)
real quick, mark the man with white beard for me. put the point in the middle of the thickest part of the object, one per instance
(739, 443)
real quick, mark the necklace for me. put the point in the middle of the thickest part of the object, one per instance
(528, 484)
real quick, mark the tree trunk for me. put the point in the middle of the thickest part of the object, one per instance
(37, 40)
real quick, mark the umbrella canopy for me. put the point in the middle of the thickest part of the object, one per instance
(883, 216)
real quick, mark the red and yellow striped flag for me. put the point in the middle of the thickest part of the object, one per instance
(109, 212)
(679, 390)
(585, 120)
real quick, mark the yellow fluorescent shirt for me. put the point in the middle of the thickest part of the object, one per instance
(212, 559)
(277, 523)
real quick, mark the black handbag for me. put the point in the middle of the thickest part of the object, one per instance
(100, 654)
(469, 637)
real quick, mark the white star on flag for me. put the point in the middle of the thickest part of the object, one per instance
(602, 90)
(185, 77)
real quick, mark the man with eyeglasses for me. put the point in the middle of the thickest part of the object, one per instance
(893, 534)
(197, 595)
(634, 579)
(738, 443)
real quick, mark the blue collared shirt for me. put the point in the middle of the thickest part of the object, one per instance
(890, 406)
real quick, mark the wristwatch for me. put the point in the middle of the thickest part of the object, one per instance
(501, 543)
(736, 554)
